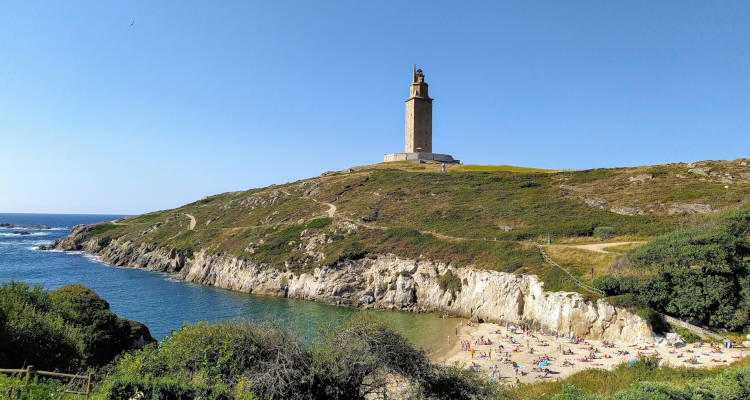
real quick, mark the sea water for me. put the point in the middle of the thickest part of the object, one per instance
(164, 303)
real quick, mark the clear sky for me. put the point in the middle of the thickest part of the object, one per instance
(203, 97)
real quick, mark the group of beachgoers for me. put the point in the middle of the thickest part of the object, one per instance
(537, 356)
(713, 352)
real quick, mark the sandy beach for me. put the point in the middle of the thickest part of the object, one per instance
(513, 355)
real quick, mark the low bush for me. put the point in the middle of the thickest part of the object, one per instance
(15, 388)
(124, 388)
(607, 284)
(319, 223)
(449, 282)
(686, 335)
(604, 232)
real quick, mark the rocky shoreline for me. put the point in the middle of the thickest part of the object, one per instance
(383, 281)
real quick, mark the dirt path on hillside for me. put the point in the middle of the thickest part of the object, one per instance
(192, 222)
(599, 247)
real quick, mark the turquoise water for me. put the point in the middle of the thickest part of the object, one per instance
(165, 304)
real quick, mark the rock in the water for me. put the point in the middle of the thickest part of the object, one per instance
(7, 225)
(42, 226)
(22, 233)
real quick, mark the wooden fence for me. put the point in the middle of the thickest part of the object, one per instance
(29, 373)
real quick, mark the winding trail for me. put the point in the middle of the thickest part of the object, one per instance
(192, 222)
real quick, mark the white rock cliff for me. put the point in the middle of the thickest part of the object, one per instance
(387, 281)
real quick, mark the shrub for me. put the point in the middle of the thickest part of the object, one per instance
(686, 335)
(103, 334)
(607, 284)
(68, 329)
(571, 392)
(449, 282)
(319, 222)
(242, 360)
(16, 388)
(32, 333)
(529, 184)
(122, 388)
(702, 274)
(604, 232)
(620, 266)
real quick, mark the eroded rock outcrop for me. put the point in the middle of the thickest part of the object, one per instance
(385, 281)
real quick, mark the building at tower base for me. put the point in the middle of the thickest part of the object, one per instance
(421, 157)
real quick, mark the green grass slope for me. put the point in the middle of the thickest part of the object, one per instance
(484, 216)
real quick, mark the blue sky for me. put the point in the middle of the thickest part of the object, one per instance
(199, 98)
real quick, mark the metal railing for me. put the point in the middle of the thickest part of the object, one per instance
(577, 282)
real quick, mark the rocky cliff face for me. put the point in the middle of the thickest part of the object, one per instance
(385, 281)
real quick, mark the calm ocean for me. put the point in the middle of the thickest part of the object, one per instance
(163, 303)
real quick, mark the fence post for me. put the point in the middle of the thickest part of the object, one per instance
(29, 371)
(88, 386)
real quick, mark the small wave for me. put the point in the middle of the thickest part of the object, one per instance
(23, 228)
(64, 251)
(93, 258)
(35, 244)
(18, 235)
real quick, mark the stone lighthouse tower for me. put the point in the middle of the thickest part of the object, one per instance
(418, 115)
(418, 125)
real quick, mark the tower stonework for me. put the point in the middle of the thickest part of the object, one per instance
(418, 115)
(418, 126)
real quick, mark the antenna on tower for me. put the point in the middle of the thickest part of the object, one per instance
(414, 73)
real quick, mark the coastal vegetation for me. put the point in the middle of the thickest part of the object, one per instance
(69, 329)
(361, 357)
(643, 380)
(701, 274)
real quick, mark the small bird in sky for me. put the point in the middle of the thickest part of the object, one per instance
(132, 23)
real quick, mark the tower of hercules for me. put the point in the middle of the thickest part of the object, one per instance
(418, 126)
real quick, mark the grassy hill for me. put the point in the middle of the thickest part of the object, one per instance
(489, 217)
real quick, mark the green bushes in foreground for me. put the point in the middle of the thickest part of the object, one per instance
(241, 360)
(69, 329)
(644, 380)
(728, 385)
(16, 389)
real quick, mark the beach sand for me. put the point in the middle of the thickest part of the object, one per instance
(529, 349)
